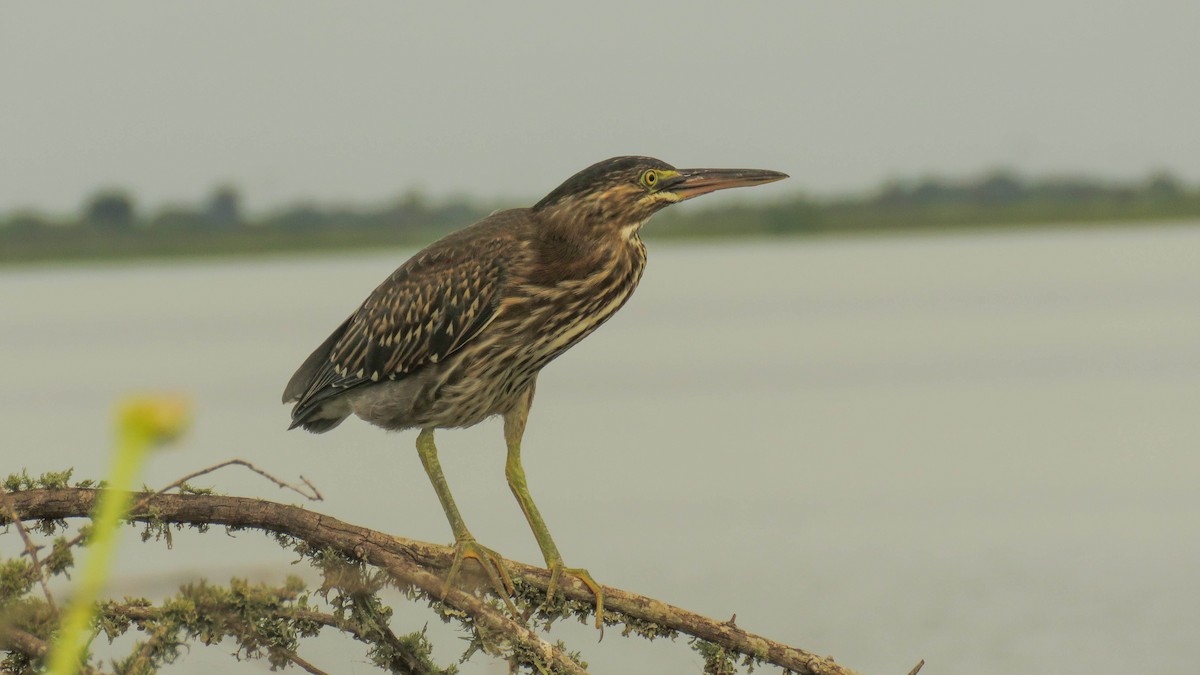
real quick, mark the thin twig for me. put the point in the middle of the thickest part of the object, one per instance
(295, 658)
(917, 668)
(30, 547)
(142, 662)
(312, 494)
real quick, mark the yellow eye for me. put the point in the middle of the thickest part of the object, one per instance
(650, 178)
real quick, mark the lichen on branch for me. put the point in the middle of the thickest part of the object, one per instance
(357, 563)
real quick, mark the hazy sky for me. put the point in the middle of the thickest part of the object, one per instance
(363, 100)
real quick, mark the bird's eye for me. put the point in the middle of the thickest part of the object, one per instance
(650, 178)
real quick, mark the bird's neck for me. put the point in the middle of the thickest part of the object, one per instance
(574, 250)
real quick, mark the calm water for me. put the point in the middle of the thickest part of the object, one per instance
(979, 450)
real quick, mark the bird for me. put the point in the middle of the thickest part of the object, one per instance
(459, 332)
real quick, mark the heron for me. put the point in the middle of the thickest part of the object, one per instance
(459, 332)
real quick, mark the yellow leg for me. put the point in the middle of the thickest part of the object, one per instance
(514, 429)
(465, 545)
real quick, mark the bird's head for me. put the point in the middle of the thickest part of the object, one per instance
(622, 192)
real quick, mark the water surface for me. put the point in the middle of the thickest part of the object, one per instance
(980, 450)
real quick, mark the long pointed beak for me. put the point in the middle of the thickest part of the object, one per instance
(695, 182)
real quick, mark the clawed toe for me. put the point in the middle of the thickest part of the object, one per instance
(556, 572)
(492, 564)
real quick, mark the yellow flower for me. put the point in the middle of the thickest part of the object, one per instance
(153, 418)
(142, 423)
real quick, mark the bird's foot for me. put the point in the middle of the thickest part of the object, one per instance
(492, 564)
(557, 570)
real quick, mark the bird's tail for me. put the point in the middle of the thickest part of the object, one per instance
(317, 425)
(321, 412)
(318, 407)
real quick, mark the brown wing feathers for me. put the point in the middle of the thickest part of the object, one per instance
(426, 310)
(415, 319)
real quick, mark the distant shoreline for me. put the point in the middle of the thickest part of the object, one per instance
(144, 247)
(110, 227)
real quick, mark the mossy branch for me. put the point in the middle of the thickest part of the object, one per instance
(422, 565)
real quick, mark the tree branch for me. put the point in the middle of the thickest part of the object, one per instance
(415, 562)
(140, 613)
(26, 643)
(30, 549)
(30, 645)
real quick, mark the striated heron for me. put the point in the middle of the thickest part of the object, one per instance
(459, 332)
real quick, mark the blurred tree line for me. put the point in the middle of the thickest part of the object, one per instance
(997, 198)
(111, 224)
